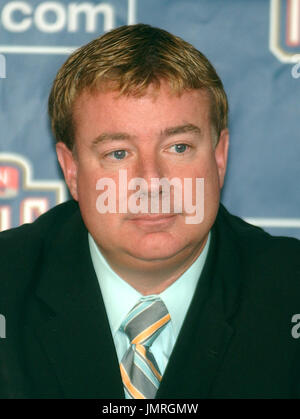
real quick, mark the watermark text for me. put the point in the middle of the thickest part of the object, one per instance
(160, 195)
(2, 327)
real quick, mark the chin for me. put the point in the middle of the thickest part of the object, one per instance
(159, 246)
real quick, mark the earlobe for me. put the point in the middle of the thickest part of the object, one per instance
(221, 155)
(68, 165)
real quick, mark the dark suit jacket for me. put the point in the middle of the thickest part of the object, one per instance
(235, 342)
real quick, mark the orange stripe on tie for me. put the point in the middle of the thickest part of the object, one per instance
(141, 349)
(150, 330)
(126, 380)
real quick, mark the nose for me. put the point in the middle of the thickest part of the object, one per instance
(150, 167)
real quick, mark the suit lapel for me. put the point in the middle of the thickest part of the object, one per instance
(206, 331)
(75, 332)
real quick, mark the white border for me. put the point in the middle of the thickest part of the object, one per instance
(5, 49)
(65, 50)
(274, 222)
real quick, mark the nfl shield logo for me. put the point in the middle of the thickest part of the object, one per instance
(285, 30)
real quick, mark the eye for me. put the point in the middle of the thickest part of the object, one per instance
(180, 148)
(117, 154)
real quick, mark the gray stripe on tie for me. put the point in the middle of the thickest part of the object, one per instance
(137, 376)
(148, 307)
(145, 319)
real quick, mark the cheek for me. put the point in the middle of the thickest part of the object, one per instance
(86, 187)
(87, 179)
(211, 195)
(206, 170)
(92, 194)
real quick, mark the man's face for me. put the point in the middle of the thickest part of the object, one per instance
(158, 135)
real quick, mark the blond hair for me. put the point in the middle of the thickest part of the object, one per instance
(129, 59)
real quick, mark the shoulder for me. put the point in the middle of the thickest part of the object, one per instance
(21, 248)
(272, 259)
(46, 225)
(254, 239)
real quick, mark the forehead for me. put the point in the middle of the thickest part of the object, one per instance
(157, 109)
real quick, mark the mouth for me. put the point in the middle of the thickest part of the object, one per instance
(150, 220)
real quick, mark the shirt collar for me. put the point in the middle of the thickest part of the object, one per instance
(119, 297)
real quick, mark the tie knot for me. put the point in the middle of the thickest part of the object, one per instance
(145, 321)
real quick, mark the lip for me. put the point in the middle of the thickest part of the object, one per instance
(152, 217)
(150, 220)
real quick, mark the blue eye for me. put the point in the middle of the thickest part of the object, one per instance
(180, 148)
(118, 154)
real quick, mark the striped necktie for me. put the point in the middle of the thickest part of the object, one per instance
(139, 370)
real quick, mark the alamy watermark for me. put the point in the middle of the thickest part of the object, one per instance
(161, 196)
(2, 327)
(296, 329)
(2, 66)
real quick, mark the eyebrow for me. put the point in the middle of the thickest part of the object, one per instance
(114, 136)
(181, 129)
(168, 132)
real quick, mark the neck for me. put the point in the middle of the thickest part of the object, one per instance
(157, 275)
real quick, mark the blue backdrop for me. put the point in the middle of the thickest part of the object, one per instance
(255, 47)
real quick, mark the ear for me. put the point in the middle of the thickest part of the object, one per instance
(221, 154)
(68, 165)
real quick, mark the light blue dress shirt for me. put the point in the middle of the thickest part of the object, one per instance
(119, 298)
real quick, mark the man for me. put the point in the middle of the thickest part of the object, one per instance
(107, 296)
